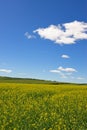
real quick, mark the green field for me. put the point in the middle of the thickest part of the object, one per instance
(43, 106)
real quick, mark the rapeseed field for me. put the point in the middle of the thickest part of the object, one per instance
(43, 107)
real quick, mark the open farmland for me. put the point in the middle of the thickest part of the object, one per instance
(43, 106)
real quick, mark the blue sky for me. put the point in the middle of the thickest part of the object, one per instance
(45, 39)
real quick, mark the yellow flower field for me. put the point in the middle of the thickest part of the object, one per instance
(43, 107)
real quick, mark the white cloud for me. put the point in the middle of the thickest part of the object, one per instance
(5, 70)
(67, 33)
(55, 71)
(67, 69)
(64, 72)
(29, 36)
(59, 72)
(65, 56)
(80, 78)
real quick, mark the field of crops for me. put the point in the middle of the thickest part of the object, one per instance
(43, 107)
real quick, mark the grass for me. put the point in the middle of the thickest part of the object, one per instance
(24, 80)
(43, 107)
